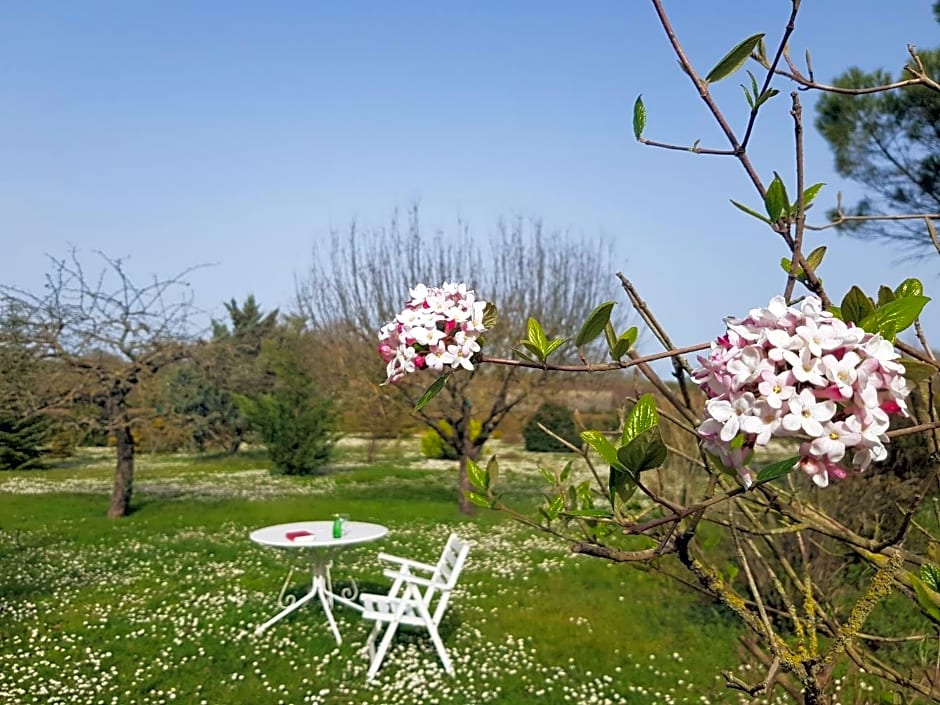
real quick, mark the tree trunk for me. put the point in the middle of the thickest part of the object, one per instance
(463, 486)
(123, 472)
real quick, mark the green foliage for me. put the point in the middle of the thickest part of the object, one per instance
(21, 440)
(434, 447)
(296, 422)
(557, 418)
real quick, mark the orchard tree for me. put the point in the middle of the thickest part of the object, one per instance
(360, 283)
(889, 142)
(789, 411)
(103, 336)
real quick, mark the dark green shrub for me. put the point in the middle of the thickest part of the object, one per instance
(21, 440)
(295, 421)
(560, 420)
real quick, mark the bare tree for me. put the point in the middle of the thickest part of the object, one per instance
(104, 336)
(358, 285)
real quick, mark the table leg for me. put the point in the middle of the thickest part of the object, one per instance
(320, 587)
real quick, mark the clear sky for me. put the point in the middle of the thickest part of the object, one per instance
(238, 133)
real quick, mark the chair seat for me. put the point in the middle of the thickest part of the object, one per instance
(414, 600)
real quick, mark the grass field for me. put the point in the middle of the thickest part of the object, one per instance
(160, 607)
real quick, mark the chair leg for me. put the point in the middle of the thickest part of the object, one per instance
(370, 642)
(381, 651)
(436, 639)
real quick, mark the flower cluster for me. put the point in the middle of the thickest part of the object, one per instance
(438, 328)
(788, 372)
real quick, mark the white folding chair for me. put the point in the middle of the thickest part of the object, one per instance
(418, 597)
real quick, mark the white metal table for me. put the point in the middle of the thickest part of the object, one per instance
(316, 537)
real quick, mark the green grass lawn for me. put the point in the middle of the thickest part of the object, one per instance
(160, 607)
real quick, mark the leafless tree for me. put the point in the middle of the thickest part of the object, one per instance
(103, 336)
(358, 284)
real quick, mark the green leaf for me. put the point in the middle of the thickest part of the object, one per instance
(642, 417)
(432, 391)
(554, 345)
(778, 469)
(490, 315)
(492, 473)
(909, 287)
(555, 506)
(747, 95)
(645, 452)
(754, 89)
(750, 211)
(930, 574)
(476, 474)
(536, 337)
(622, 485)
(855, 306)
(595, 323)
(894, 317)
(639, 117)
(623, 344)
(565, 472)
(611, 335)
(885, 295)
(547, 475)
(917, 371)
(928, 599)
(765, 96)
(836, 311)
(589, 513)
(734, 59)
(810, 193)
(776, 202)
(477, 499)
(604, 448)
(815, 258)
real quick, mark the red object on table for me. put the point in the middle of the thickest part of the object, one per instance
(293, 535)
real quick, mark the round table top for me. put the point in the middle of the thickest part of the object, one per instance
(317, 534)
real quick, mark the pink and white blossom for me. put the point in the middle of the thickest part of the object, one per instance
(438, 328)
(799, 372)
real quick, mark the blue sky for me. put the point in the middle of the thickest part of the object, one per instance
(179, 133)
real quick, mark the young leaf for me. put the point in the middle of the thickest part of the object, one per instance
(642, 417)
(894, 317)
(855, 306)
(477, 499)
(747, 96)
(476, 474)
(754, 89)
(639, 117)
(604, 448)
(554, 345)
(432, 391)
(930, 574)
(492, 473)
(622, 345)
(815, 258)
(917, 371)
(775, 201)
(909, 287)
(836, 311)
(778, 469)
(928, 599)
(490, 315)
(734, 59)
(809, 194)
(595, 323)
(645, 452)
(885, 295)
(611, 335)
(765, 96)
(536, 336)
(750, 211)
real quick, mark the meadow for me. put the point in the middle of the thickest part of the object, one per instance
(160, 607)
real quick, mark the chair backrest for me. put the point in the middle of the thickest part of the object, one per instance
(445, 577)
